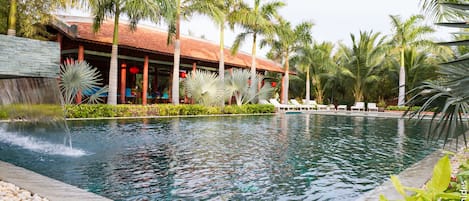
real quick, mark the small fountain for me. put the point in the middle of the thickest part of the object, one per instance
(30, 97)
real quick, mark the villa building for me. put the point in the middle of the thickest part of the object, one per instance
(145, 58)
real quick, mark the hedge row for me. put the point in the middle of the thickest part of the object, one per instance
(402, 108)
(102, 110)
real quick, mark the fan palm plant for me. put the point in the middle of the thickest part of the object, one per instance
(408, 34)
(185, 9)
(448, 99)
(256, 21)
(237, 85)
(363, 61)
(286, 42)
(80, 76)
(135, 10)
(205, 88)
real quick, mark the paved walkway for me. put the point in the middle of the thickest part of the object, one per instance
(44, 186)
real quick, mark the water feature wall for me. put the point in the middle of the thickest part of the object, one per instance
(29, 94)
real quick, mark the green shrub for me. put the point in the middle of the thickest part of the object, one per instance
(401, 108)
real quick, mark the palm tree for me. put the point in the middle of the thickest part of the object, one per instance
(256, 21)
(286, 41)
(29, 18)
(12, 19)
(407, 34)
(316, 61)
(135, 11)
(437, 11)
(185, 9)
(363, 61)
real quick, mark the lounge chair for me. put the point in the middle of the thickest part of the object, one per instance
(342, 107)
(317, 106)
(372, 107)
(360, 106)
(280, 106)
(301, 106)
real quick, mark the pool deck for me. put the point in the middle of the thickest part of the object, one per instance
(44, 186)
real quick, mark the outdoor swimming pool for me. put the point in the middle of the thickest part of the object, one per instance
(281, 157)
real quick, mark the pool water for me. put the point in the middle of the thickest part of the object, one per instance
(280, 157)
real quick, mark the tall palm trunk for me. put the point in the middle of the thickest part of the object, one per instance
(286, 80)
(112, 98)
(221, 65)
(253, 58)
(401, 100)
(177, 55)
(12, 19)
(318, 91)
(308, 86)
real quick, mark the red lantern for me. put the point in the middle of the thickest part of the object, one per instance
(182, 74)
(273, 84)
(134, 70)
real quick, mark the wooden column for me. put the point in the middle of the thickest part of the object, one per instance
(81, 57)
(194, 67)
(170, 88)
(123, 82)
(145, 81)
(59, 40)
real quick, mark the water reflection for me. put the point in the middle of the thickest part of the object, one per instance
(282, 157)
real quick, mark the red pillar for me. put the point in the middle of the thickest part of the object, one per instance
(81, 57)
(59, 40)
(145, 80)
(123, 82)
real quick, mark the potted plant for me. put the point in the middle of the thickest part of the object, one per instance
(381, 105)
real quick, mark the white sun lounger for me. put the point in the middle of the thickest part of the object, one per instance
(301, 106)
(359, 106)
(281, 107)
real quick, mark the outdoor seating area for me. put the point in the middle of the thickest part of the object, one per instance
(294, 105)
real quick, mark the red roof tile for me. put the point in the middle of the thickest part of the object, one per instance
(155, 40)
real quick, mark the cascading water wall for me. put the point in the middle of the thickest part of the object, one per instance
(30, 99)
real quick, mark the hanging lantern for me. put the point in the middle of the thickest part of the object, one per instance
(273, 84)
(134, 70)
(124, 65)
(182, 74)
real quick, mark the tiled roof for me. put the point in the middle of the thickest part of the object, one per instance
(154, 40)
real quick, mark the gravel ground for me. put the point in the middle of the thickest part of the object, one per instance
(11, 192)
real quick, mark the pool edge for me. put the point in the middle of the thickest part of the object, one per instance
(46, 187)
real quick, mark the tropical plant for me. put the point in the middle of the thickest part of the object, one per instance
(317, 62)
(434, 189)
(205, 88)
(408, 34)
(76, 76)
(29, 18)
(237, 85)
(256, 21)
(437, 10)
(135, 10)
(448, 99)
(185, 9)
(362, 61)
(286, 42)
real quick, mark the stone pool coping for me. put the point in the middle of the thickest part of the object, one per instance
(46, 187)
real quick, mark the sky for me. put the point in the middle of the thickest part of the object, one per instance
(333, 20)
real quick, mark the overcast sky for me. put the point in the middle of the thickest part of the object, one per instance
(334, 20)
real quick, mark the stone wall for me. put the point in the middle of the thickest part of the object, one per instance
(23, 57)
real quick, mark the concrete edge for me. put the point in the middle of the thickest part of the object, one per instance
(415, 176)
(46, 187)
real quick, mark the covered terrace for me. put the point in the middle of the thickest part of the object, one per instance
(145, 60)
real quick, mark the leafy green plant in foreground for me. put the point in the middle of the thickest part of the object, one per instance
(438, 188)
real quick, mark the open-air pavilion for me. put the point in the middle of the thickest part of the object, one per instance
(145, 60)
